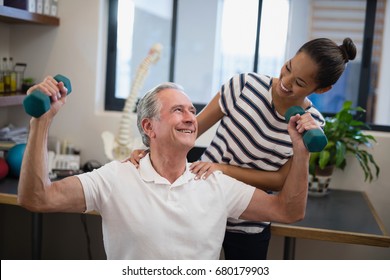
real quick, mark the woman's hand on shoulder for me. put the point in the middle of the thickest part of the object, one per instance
(205, 169)
(136, 156)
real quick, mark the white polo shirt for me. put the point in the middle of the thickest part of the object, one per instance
(146, 217)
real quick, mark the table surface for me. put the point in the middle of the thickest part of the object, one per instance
(8, 191)
(341, 216)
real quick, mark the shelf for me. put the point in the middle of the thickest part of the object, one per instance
(13, 15)
(18, 16)
(11, 99)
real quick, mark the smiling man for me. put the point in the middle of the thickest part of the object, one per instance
(158, 210)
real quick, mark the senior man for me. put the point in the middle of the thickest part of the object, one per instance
(158, 210)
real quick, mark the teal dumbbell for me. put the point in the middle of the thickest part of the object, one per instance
(314, 139)
(37, 103)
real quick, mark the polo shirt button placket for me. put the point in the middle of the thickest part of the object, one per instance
(171, 190)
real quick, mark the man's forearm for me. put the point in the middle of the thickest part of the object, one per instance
(294, 192)
(34, 175)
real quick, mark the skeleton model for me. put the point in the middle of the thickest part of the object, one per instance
(120, 146)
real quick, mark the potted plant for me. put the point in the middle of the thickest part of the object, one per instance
(345, 136)
(27, 83)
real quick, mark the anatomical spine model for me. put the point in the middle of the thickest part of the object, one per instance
(120, 146)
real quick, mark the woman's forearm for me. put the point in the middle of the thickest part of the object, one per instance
(210, 115)
(265, 180)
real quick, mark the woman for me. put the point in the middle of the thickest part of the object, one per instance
(251, 143)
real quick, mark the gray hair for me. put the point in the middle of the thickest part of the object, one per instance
(149, 107)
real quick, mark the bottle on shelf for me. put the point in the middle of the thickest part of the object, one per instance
(12, 75)
(6, 76)
(19, 69)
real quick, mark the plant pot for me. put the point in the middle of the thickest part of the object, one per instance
(319, 183)
(25, 87)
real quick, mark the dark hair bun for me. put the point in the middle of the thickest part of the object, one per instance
(349, 49)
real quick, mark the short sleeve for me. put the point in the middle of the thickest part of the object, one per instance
(96, 186)
(230, 91)
(237, 195)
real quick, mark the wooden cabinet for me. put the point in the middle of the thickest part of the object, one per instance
(10, 15)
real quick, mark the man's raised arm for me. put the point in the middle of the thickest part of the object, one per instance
(289, 205)
(35, 191)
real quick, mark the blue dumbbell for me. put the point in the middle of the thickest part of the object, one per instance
(37, 103)
(314, 139)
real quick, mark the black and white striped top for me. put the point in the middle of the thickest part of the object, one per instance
(252, 133)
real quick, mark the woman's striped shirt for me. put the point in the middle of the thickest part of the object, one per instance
(252, 133)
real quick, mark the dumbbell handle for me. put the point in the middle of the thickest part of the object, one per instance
(37, 103)
(314, 139)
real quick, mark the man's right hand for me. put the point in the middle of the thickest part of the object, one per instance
(296, 126)
(55, 90)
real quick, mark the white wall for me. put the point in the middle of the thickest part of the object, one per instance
(4, 46)
(77, 49)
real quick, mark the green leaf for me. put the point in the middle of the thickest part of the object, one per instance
(324, 158)
(340, 152)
